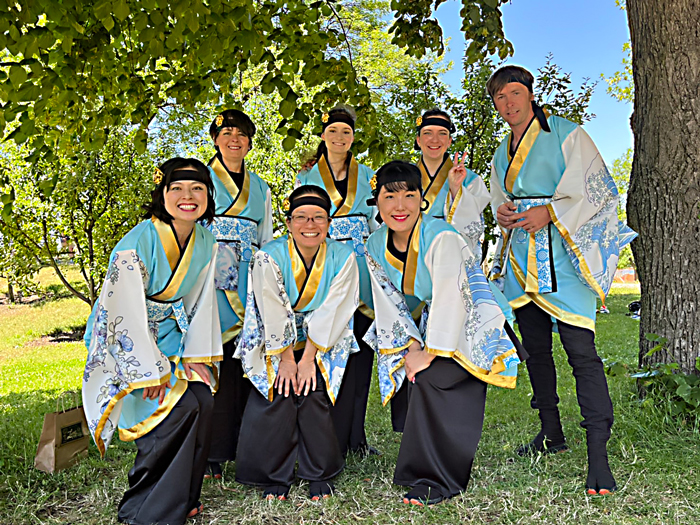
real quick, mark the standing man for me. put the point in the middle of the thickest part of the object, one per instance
(556, 205)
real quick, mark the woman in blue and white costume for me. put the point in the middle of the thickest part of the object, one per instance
(154, 344)
(450, 190)
(296, 339)
(243, 223)
(347, 182)
(462, 342)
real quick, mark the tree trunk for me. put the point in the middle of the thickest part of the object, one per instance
(10, 292)
(664, 196)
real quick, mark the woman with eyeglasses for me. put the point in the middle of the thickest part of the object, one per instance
(242, 224)
(294, 348)
(335, 169)
(462, 343)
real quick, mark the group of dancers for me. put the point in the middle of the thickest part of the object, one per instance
(213, 342)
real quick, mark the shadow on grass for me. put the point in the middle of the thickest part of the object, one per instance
(28, 495)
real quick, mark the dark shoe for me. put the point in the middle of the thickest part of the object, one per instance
(422, 495)
(195, 511)
(600, 479)
(541, 445)
(320, 490)
(366, 451)
(276, 492)
(213, 470)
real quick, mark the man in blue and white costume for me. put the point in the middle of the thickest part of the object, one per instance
(556, 205)
(335, 169)
(296, 339)
(463, 340)
(450, 190)
(154, 343)
(243, 224)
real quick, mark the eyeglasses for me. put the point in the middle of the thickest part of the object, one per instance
(316, 219)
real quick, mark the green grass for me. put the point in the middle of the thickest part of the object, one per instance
(656, 465)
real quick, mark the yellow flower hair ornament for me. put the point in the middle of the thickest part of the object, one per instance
(219, 120)
(419, 121)
(373, 182)
(158, 176)
(325, 117)
(285, 205)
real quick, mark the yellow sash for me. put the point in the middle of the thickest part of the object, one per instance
(410, 269)
(240, 197)
(179, 260)
(433, 185)
(342, 206)
(307, 283)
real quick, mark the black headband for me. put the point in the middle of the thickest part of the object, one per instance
(188, 174)
(519, 80)
(309, 200)
(337, 116)
(434, 121)
(395, 171)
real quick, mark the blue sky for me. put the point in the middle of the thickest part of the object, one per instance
(586, 40)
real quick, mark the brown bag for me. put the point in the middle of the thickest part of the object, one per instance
(64, 439)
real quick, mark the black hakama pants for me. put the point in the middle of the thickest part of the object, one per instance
(276, 435)
(443, 427)
(229, 404)
(165, 482)
(350, 407)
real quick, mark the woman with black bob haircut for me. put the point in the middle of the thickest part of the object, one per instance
(154, 345)
(461, 342)
(169, 170)
(335, 169)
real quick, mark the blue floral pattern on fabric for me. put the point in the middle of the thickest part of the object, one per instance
(353, 229)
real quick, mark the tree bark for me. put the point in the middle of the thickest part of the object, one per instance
(663, 203)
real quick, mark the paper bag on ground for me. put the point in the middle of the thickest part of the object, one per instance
(64, 440)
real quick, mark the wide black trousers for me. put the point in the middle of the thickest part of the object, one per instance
(276, 435)
(591, 386)
(350, 407)
(443, 427)
(229, 403)
(166, 480)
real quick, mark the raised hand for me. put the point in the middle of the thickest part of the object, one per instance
(457, 174)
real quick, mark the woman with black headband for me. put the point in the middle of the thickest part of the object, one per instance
(347, 182)
(462, 342)
(243, 223)
(294, 349)
(451, 191)
(154, 345)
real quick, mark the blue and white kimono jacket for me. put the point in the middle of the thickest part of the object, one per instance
(464, 213)
(157, 310)
(243, 224)
(286, 305)
(564, 266)
(353, 219)
(462, 319)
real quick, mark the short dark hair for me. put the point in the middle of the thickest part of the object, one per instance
(506, 75)
(156, 208)
(399, 175)
(233, 118)
(309, 189)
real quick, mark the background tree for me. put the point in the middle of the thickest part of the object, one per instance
(663, 204)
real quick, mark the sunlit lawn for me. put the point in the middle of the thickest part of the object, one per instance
(656, 465)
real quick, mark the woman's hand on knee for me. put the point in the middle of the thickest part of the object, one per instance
(286, 376)
(306, 376)
(416, 361)
(153, 392)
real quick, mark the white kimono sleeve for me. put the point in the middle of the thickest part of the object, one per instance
(584, 210)
(392, 331)
(465, 321)
(500, 259)
(329, 329)
(202, 343)
(123, 355)
(464, 214)
(265, 231)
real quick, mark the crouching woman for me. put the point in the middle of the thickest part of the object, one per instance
(460, 344)
(296, 339)
(154, 343)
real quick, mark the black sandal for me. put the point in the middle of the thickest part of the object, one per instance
(213, 470)
(541, 445)
(422, 495)
(276, 492)
(320, 490)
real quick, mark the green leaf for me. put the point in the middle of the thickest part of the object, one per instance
(287, 108)
(288, 143)
(108, 23)
(121, 10)
(17, 76)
